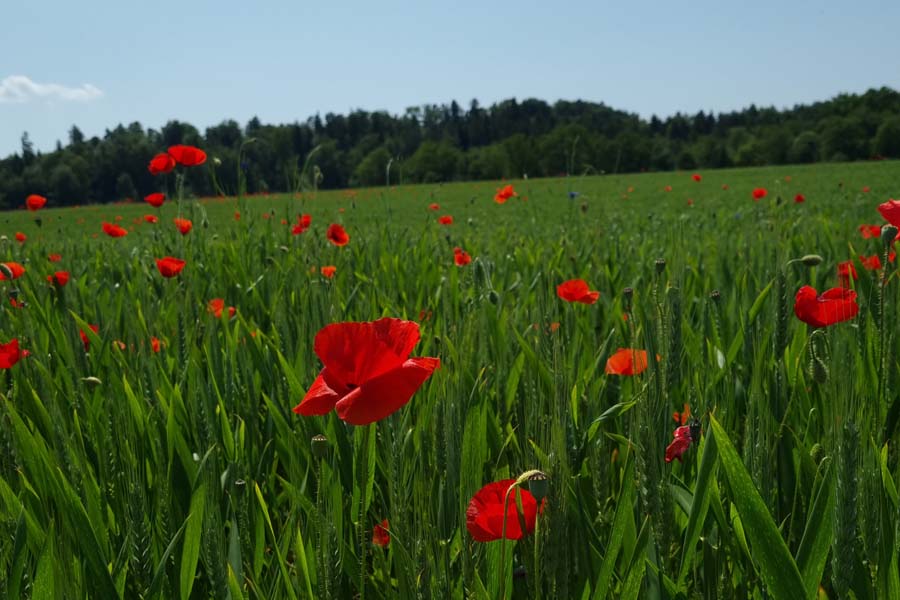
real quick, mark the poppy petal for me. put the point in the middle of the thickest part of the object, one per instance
(319, 400)
(355, 352)
(382, 396)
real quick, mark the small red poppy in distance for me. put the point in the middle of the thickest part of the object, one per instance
(627, 361)
(161, 163)
(328, 271)
(367, 372)
(217, 305)
(113, 230)
(696, 177)
(151, 218)
(21, 237)
(154, 344)
(10, 354)
(799, 198)
(183, 225)
(188, 156)
(866, 189)
(303, 223)
(169, 266)
(870, 263)
(35, 202)
(59, 279)
(827, 308)
(576, 290)
(845, 271)
(54, 257)
(683, 436)
(890, 210)
(484, 515)
(336, 235)
(11, 270)
(759, 193)
(155, 199)
(870, 231)
(434, 206)
(460, 257)
(505, 193)
(668, 188)
(380, 535)
(84, 338)
(445, 220)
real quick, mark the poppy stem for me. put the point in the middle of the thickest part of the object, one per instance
(502, 594)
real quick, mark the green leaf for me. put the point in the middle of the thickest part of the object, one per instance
(699, 506)
(816, 542)
(624, 511)
(192, 538)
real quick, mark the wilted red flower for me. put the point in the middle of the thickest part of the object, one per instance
(154, 344)
(845, 271)
(503, 194)
(59, 279)
(337, 235)
(161, 163)
(367, 372)
(84, 338)
(380, 535)
(156, 199)
(445, 220)
(10, 354)
(799, 198)
(434, 206)
(484, 515)
(35, 202)
(183, 225)
(870, 231)
(151, 218)
(827, 308)
(461, 257)
(870, 263)
(696, 177)
(328, 271)
(54, 257)
(217, 305)
(683, 436)
(21, 237)
(169, 266)
(576, 290)
(14, 268)
(188, 156)
(759, 193)
(113, 230)
(627, 361)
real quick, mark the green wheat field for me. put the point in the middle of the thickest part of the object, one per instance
(175, 468)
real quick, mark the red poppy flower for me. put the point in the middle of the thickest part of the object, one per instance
(484, 515)
(890, 210)
(84, 338)
(696, 177)
(21, 237)
(576, 290)
(866, 189)
(668, 188)
(54, 257)
(434, 206)
(870, 263)
(156, 199)
(845, 271)
(503, 194)
(759, 193)
(154, 344)
(10, 354)
(151, 218)
(380, 535)
(35, 202)
(690, 202)
(14, 268)
(799, 198)
(217, 305)
(682, 417)
(59, 279)
(183, 225)
(461, 257)
(627, 361)
(724, 186)
(870, 231)
(303, 223)
(161, 163)
(445, 220)
(681, 442)
(237, 216)
(367, 372)
(827, 308)
(337, 235)
(113, 230)
(328, 271)
(169, 266)
(188, 156)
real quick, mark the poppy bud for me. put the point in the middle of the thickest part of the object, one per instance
(584, 207)
(539, 486)
(715, 296)
(660, 265)
(14, 292)
(817, 453)
(888, 233)
(217, 161)
(319, 445)
(494, 297)
(7, 272)
(819, 370)
(91, 380)
(811, 260)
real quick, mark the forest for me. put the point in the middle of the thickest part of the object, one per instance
(442, 143)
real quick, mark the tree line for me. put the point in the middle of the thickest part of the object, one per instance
(435, 143)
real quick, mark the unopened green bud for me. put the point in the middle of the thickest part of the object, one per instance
(494, 297)
(817, 453)
(811, 260)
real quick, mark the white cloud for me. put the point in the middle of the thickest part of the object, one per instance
(19, 89)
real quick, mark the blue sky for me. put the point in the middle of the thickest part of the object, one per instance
(100, 63)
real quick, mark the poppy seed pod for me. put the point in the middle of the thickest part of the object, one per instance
(811, 260)
(6, 271)
(715, 296)
(660, 265)
(888, 233)
(319, 444)
(539, 486)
